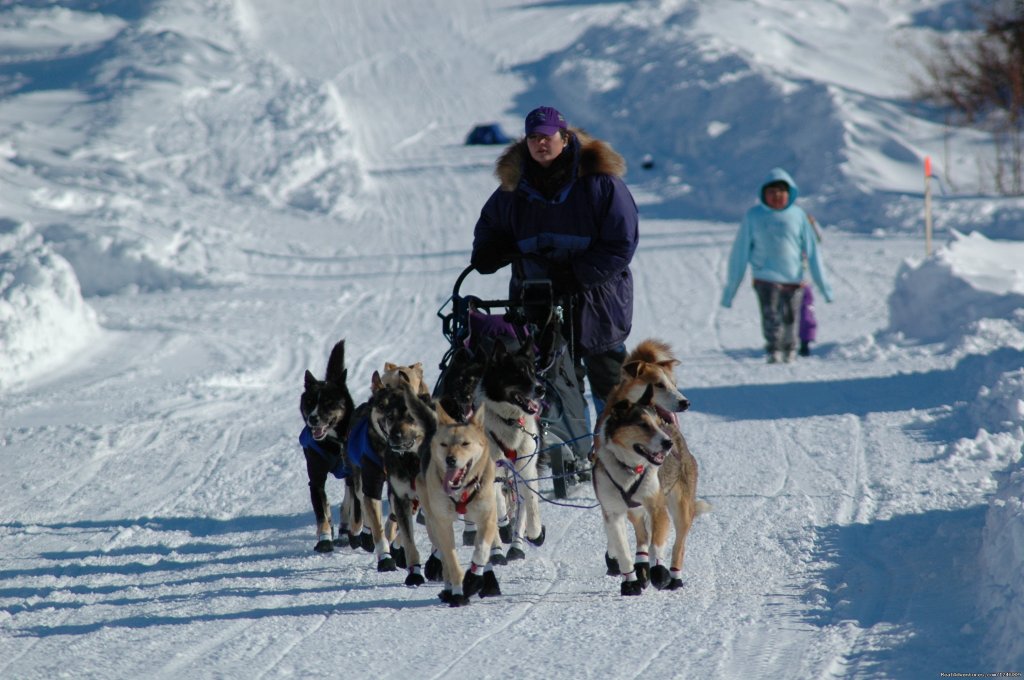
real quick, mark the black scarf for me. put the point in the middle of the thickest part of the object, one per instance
(550, 180)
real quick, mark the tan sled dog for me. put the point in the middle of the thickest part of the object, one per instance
(458, 479)
(412, 375)
(633, 446)
(651, 365)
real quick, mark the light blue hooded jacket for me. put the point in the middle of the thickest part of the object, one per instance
(774, 243)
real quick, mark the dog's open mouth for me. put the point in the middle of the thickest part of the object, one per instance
(656, 457)
(454, 478)
(403, 444)
(319, 432)
(531, 406)
(666, 416)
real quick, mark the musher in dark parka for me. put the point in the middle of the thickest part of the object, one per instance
(562, 197)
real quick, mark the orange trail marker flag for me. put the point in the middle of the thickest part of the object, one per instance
(927, 206)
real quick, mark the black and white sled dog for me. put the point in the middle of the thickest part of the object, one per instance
(326, 407)
(509, 391)
(457, 392)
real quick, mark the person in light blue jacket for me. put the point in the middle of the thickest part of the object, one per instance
(775, 239)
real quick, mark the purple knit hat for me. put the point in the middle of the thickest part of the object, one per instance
(545, 120)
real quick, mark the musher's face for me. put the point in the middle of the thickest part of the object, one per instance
(545, 148)
(776, 198)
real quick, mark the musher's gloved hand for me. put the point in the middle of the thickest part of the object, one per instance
(488, 263)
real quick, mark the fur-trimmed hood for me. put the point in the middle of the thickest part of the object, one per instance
(595, 158)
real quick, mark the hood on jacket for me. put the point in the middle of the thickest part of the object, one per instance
(779, 175)
(595, 158)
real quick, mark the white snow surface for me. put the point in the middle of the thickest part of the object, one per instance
(200, 197)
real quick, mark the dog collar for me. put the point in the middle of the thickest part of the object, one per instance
(511, 454)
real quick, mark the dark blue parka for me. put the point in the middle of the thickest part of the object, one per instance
(586, 231)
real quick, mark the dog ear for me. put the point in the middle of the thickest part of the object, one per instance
(620, 407)
(645, 398)
(310, 379)
(442, 416)
(478, 417)
(388, 366)
(376, 383)
(336, 361)
(632, 369)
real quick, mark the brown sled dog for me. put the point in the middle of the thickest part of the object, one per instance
(457, 478)
(651, 366)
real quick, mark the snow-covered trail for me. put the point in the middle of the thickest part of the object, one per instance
(160, 524)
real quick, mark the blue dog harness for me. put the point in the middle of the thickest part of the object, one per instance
(359, 444)
(340, 469)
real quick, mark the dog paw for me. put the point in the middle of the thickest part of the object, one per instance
(445, 595)
(354, 541)
(539, 540)
(505, 533)
(324, 546)
(386, 563)
(472, 583)
(458, 601)
(514, 554)
(413, 580)
(433, 569)
(643, 573)
(366, 542)
(342, 540)
(674, 584)
(469, 537)
(660, 577)
(612, 564)
(497, 558)
(399, 554)
(631, 588)
(490, 587)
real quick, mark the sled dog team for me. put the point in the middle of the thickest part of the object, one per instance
(472, 453)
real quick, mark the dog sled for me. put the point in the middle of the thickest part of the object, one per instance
(472, 325)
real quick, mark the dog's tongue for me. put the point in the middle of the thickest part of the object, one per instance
(319, 432)
(666, 416)
(658, 457)
(453, 479)
(532, 407)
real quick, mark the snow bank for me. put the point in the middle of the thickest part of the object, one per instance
(969, 279)
(43, 318)
(1002, 585)
(970, 294)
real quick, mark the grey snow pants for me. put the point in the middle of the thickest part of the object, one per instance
(780, 314)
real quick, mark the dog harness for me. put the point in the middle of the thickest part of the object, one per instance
(465, 497)
(627, 496)
(359, 444)
(306, 441)
(520, 423)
